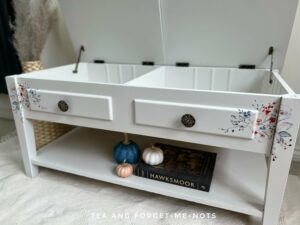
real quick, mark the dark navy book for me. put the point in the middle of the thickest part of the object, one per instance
(181, 166)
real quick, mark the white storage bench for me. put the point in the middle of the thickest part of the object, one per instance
(247, 113)
(244, 123)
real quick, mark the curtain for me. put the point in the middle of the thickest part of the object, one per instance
(9, 62)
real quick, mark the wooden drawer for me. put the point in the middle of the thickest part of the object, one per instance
(196, 118)
(72, 104)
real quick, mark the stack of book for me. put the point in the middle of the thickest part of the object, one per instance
(181, 166)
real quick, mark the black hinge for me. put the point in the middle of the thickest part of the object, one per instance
(100, 61)
(247, 66)
(148, 63)
(182, 64)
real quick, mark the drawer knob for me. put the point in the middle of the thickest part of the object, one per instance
(188, 120)
(63, 106)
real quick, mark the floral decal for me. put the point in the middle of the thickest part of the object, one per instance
(268, 118)
(283, 137)
(14, 99)
(35, 98)
(266, 121)
(19, 97)
(240, 122)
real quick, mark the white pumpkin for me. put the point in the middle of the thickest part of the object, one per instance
(153, 156)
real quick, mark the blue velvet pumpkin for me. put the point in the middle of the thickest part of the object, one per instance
(127, 151)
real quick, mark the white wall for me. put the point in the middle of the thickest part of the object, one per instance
(58, 49)
(201, 32)
(291, 69)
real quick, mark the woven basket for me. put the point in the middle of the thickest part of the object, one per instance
(30, 66)
(45, 132)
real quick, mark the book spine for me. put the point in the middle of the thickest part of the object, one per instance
(149, 174)
(211, 170)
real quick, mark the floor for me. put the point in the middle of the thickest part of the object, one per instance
(6, 126)
(295, 169)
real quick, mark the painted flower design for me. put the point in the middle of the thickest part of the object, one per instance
(239, 122)
(14, 99)
(19, 97)
(283, 137)
(22, 95)
(269, 117)
(266, 121)
(35, 97)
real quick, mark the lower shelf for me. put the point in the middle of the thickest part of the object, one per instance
(238, 183)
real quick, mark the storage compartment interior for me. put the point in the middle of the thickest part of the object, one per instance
(236, 184)
(194, 78)
(93, 73)
(213, 79)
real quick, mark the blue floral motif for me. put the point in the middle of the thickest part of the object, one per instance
(283, 137)
(247, 114)
(35, 98)
(14, 100)
(239, 122)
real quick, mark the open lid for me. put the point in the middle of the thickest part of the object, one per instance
(201, 32)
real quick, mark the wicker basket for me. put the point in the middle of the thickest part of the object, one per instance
(30, 66)
(45, 132)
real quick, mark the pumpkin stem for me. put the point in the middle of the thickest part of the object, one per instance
(152, 146)
(126, 140)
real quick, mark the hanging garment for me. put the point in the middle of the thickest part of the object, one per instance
(9, 62)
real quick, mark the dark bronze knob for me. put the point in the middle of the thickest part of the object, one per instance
(63, 106)
(188, 120)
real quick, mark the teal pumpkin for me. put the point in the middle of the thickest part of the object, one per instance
(127, 151)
